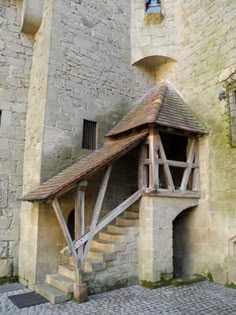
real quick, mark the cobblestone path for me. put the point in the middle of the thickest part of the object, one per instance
(203, 298)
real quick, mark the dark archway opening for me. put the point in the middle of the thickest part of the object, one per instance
(71, 224)
(182, 244)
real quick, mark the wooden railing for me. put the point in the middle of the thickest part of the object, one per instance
(80, 247)
(111, 216)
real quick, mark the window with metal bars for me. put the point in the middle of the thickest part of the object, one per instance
(232, 113)
(89, 135)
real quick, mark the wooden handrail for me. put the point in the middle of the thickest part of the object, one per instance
(110, 217)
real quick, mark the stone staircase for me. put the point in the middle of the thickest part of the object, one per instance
(58, 287)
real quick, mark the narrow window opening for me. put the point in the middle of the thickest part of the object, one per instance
(89, 135)
(153, 6)
(0, 118)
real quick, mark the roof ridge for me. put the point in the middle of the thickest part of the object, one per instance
(157, 103)
(153, 101)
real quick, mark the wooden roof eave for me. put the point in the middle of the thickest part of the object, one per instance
(71, 185)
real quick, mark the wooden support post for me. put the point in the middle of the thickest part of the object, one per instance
(110, 217)
(152, 155)
(167, 172)
(188, 169)
(97, 210)
(196, 173)
(60, 217)
(141, 173)
(79, 209)
(80, 229)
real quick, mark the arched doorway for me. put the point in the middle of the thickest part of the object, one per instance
(71, 223)
(182, 244)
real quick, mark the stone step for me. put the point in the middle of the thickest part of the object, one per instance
(67, 270)
(60, 282)
(117, 229)
(93, 266)
(131, 215)
(101, 256)
(104, 236)
(52, 294)
(107, 246)
(127, 222)
(115, 237)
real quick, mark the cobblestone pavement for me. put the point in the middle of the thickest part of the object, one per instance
(203, 298)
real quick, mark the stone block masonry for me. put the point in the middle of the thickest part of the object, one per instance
(15, 63)
(90, 76)
(201, 37)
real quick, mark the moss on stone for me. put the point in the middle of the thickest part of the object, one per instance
(187, 281)
(172, 282)
(166, 276)
(153, 18)
(231, 285)
(8, 280)
(209, 277)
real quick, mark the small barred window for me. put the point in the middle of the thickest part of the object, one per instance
(89, 135)
(228, 81)
(232, 112)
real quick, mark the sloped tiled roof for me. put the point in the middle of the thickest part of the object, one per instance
(111, 150)
(161, 105)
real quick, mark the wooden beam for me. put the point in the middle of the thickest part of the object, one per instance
(196, 173)
(176, 194)
(60, 217)
(80, 209)
(177, 163)
(118, 210)
(141, 166)
(97, 210)
(110, 217)
(152, 152)
(167, 172)
(188, 169)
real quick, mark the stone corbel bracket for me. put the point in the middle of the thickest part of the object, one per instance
(32, 11)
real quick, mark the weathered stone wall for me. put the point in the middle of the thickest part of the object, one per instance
(120, 272)
(15, 63)
(156, 235)
(81, 70)
(90, 76)
(207, 51)
(155, 40)
(206, 47)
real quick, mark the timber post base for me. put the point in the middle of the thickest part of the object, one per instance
(80, 293)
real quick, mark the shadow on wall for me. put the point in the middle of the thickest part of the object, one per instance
(156, 67)
(182, 243)
(108, 120)
(62, 156)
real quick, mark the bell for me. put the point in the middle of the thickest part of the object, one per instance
(153, 6)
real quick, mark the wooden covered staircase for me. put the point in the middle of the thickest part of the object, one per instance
(58, 287)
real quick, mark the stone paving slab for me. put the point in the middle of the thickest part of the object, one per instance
(203, 298)
(10, 287)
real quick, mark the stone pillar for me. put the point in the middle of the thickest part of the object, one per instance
(35, 121)
(155, 237)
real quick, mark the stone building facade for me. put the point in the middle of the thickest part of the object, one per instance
(63, 62)
(198, 41)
